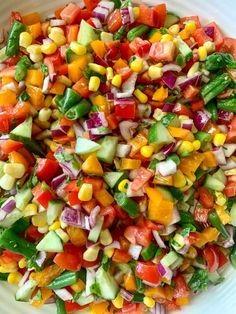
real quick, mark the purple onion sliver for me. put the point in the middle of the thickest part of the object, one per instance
(200, 119)
(169, 79)
(9, 205)
(167, 149)
(24, 279)
(58, 181)
(168, 107)
(210, 31)
(194, 80)
(126, 295)
(93, 215)
(161, 269)
(225, 115)
(158, 239)
(100, 61)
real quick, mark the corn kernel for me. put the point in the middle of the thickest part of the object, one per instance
(166, 37)
(219, 139)
(78, 286)
(190, 26)
(63, 235)
(15, 170)
(109, 73)
(137, 65)
(91, 254)
(202, 52)
(56, 30)
(34, 49)
(185, 146)
(220, 199)
(158, 114)
(123, 185)
(36, 57)
(40, 220)
(147, 151)
(42, 124)
(117, 80)
(58, 38)
(25, 39)
(179, 179)
(108, 252)
(30, 210)
(44, 114)
(194, 68)
(22, 263)
(49, 48)
(97, 68)
(7, 182)
(56, 225)
(77, 48)
(136, 12)
(64, 80)
(149, 302)
(94, 83)
(174, 29)
(85, 192)
(48, 101)
(14, 278)
(210, 46)
(155, 72)
(143, 98)
(118, 302)
(105, 237)
(196, 144)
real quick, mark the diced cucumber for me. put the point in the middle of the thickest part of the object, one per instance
(84, 300)
(214, 184)
(166, 194)
(112, 178)
(86, 34)
(11, 218)
(3, 56)
(177, 263)
(219, 175)
(54, 210)
(106, 37)
(215, 277)
(85, 146)
(171, 19)
(233, 215)
(22, 198)
(23, 294)
(95, 232)
(107, 151)
(50, 243)
(184, 49)
(169, 259)
(107, 284)
(23, 131)
(2, 163)
(159, 134)
(170, 119)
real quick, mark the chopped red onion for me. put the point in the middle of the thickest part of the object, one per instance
(99, 131)
(93, 215)
(41, 257)
(52, 77)
(219, 155)
(60, 130)
(96, 22)
(123, 150)
(10, 86)
(63, 294)
(166, 168)
(128, 86)
(126, 295)
(103, 9)
(47, 40)
(169, 78)
(184, 83)
(168, 107)
(90, 280)
(230, 164)
(97, 120)
(210, 31)
(127, 129)
(158, 239)
(100, 61)
(229, 149)
(7, 207)
(113, 245)
(165, 272)
(184, 249)
(224, 115)
(110, 97)
(51, 300)
(187, 124)
(150, 284)
(58, 181)
(24, 279)
(159, 309)
(135, 250)
(200, 119)
(167, 149)
(127, 15)
(79, 131)
(171, 67)
(144, 111)
(73, 217)
(230, 241)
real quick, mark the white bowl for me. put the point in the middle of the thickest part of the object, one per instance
(220, 299)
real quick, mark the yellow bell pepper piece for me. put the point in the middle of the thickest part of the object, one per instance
(120, 63)
(160, 94)
(36, 96)
(77, 236)
(207, 235)
(76, 68)
(156, 37)
(7, 97)
(130, 283)
(31, 18)
(209, 160)
(189, 165)
(98, 308)
(179, 179)
(78, 286)
(223, 215)
(35, 78)
(98, 47)
(154, 194)
(46, 294)
(137, 143)
(130, 164)
(101, 102)
(92, 166)
(44, 277)
(159, 292)
(103, 197)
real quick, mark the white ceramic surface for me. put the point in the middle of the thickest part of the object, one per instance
(218, 300)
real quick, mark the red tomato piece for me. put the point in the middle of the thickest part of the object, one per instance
(109, 214)
(13, 256)
(91, 4)
(159, 12)
(218, 36)
(230, 189)
(148, 272)
(16, 16)
(142, 177)
(125, 109)
(81, 87)
(138, 235)
(193, 237)
(112, 51)
(211, 257)
(125, 51)
(73, 198)
(205, 197)
(12, 61)
(114, 21)
(146, 15)
(162, 52)
(42, 196)
(70, 13)
(70, 259)
(124, 72)
(143, 222)
(229, 45)
(171, 305)
(9, 146)
(46, 169)
(33, 233)
(73, 306)
(201, 214)
(201, 37)
(182, 110)
(4, 123)
(121, 256)
(181, 289)
(140, 47)
(195, 18)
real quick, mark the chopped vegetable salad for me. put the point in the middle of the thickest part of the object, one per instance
(117, 157)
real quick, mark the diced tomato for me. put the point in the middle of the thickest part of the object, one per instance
(230, 189)
(13, 256)
(9, 146)
(43, 196)
(16, 16)
(218, 36)
(125, 51)
(28, 156)
(206, 198)
(12, 61)
(73, 198)
(62, 69)
(97, 183)
(143, 222)
(21, 110)
(112, 51)
(138, 235)
(112, 121)
(109, 214)
(146, 15)
(91, 4)
(72, 187)
(72, 32)
(140, 47)
(159, 14)
(81, 87)
(124, 72)
(195, 18)
(142, 177)
(197, 105)
(86, 264)
(114, 21)
(33, 233)
(85, 14)
(70, 259)
(181, 289)
(46, 169)
(201, 214)
(126, 109)
(105, 87)
(229, 46)
(70, 13)
(222, 258)
(72, 306)
(148, 272)
(162, 52)
(121, 256)
(193, 237)
(180, 109)
(211, 258)
(201, 37)
(190, 92)
(121, 214)
(4, 122)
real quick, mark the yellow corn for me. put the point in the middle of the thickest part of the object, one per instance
(210, 46)
(136, 12)
(56, 30)
(36, 57)
(78, 286)
(118, 302)
(185, 146)
(91, 254)
(156, 37)
(123, 185)
(108, 252)
(64, 80)
(48, 101)
(225, 218)
(77, 48)
(190, 26)
(94, 83)
(97, 68)
(137, 65)
(63, 235)
(25, 39)
(57, 36)
(174, 29)
(109, 73)
(43, 230)
(7, 182)
(105, 237)
(202, 52)
(155, 72)
(22, 263)
(14, 278)
(85, 192)
(30, 210)
(44, 114)
(49, 48)
(166, 37)
(143, 98)
(40, 220)
(219, 139)
(196, 144)
(160, 94)
(130, 164)
(15, 170)
(34, 49)
(179, 179)
(147, 151)
(149, 302)
(194, 68)
(117, 80)
(220, 198)
(56, 225)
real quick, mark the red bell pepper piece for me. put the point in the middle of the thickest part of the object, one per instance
(70, 259)
(140, 47)
(46, 169)
(181, 289)
(42, 194)
(125, 51)
(148, 272)
(4, 123)
(125, 109)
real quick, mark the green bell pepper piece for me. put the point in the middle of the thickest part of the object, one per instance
(227, 104)
(67, 278)
(13, 46)
(149, 252)
(215, 221)
(120, 33)
(3, 276)
(21, 68)
(79, 110)
(61, 309)
(137, 31)
(212, 109)
(130, 206)
(68, 100)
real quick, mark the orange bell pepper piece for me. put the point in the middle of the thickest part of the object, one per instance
(46, 294)
(98, 308)
(35, 78)
(77, 236)
(31, 18)
(137, 143)
(209, 160)
(182, 301)
(76, 68)
(36, 96)
(92, 166)
(98, 47)
(72, 33)
(103, 197)
(16, 157)
(207, 235)
(35, 30)
(7, 97)
(189, 165)
(57, 88)
(130, 283)
(120, 63)
(44, 277)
